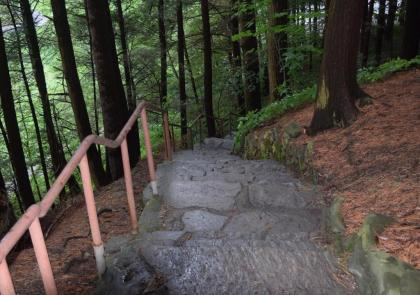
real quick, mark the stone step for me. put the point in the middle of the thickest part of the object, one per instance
(243, 269)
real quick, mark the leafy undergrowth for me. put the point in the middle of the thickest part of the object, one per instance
(374, 164)
(69, 242)
(301, 98)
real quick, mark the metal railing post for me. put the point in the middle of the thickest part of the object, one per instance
(167, 135)
(6, 283)
(129, 186)
(98, 246)
(149, 151)
(42, 258)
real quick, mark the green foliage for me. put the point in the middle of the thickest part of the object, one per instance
(369, 75)
(254, 120)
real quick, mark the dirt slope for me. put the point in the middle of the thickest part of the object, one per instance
(374, 163)
(69, 243)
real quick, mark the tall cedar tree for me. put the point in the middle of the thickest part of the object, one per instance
(410, 45)
(380, 32)
(390, 20)
(251, 64)
(208, 70)
(236, 58)
(7, 216)
(111, 89)
(163, 90)
(71, 75)
(181, 66)
(17, 157)
(129, 85)
(29, 95)
(276, 46)
(337, 86)
(56, 149)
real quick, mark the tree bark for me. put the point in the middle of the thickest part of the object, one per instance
(276, 46)
(237, 60)
(336, 94)
(208, 70)
(411, 35)
(181, 74)
(30, 99)
(366, 33)
(380, 32)
(17, 157)
(111, 89)
(7, 216)
(390, 20)
(74, 87)
(251, 65)
(56, 150)
(131, 99)
(163, 57)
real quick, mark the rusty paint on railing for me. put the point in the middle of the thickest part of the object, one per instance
(30, 219)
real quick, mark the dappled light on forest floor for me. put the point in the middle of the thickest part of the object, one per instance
(374, 163)
(70, 243)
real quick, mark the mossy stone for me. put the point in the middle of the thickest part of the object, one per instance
(293, 130)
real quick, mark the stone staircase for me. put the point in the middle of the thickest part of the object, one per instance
(223, 225)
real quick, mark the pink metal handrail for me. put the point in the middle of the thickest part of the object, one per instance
(30, 219)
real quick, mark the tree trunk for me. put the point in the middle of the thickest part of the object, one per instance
(74, 87)
(410, 44)
(276, 46)
(251, 65)
(208, 70)
(336, 94)
(367, 32)
(111, 89)
(131, 99)
(380, 32)
(401, 16)
(17, 157)
(163, 59)
(237, 60)
(181, 78)
(56, 150)
(30, 99)
(190, 72)
(390, 20)
(7, 216)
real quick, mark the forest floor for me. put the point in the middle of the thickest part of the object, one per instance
(374, 164)
(69, 242)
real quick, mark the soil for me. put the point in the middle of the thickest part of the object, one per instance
(375, 163)
(69, 242)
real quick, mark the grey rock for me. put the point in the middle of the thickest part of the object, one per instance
(199, 220)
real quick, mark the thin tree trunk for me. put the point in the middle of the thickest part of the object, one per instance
(380, 32)
(56, 150)
(251, 65)
(30, 99)
(335, 102)
(190, 72)
(390, 20)
(163, 57)
(367, 33)
(93, 75)
(208, 70)
(237, 60)
(74, 87)
(17, 157)
(111, 89)
(131, 99)
(181, 69)
(276, 46)
(411, 35)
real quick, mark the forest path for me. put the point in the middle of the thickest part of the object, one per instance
(223, 225)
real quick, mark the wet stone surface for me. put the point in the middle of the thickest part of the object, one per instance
(225, 225)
